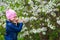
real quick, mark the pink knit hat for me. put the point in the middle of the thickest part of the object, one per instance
(10, 14)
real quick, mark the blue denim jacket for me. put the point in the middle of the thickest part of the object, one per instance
(12, 30)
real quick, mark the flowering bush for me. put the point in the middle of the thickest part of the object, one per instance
(42, 18)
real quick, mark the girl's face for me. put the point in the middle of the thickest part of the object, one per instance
(14, 19)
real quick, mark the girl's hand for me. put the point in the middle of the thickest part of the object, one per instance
(20, 20)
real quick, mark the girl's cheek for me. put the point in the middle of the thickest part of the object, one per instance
(12, 19)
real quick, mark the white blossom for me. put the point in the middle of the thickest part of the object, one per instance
(38, 10)
(47, 20)
(58, 4)
(44, 33)
(26, 19)
(31, 25)
(41, 18)
(24, 28)
(38, 0)
(58, 22)
(22, 17)
(35, 14)
(3, 4)
(31, 2)
(51, 26)
(56, 9)
(25, 13)
(24, 34)
(38, 30)
(53, 14)
(0, 23)
(35, 7)
(33, 18)
(33, 31)
(44, 2)
(48, 7)
(57, 18)
(43, 29)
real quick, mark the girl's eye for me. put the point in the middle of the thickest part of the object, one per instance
(15, 17)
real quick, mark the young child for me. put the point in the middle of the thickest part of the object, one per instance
(13, 25)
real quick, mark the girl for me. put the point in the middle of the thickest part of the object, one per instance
(13, 25)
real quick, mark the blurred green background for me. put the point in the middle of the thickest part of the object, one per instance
(42, 18)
